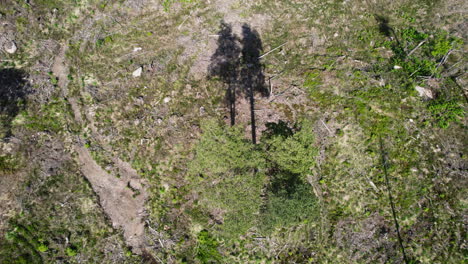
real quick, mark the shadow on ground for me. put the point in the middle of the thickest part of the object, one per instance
(13, 91)
(236, 62)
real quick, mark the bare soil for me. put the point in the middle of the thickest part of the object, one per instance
(122, 198)
(124, 208)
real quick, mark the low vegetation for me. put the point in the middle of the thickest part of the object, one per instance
(336, 79)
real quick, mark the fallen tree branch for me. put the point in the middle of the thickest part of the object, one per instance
(419, 45)
(444, 59)
(272, 50)
(325, 125)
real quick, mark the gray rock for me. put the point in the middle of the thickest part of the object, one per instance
(423, 92)
(10, 47)
(137, 72)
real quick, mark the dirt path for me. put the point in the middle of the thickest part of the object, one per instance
(125, 210)
(122, 198)
(60, 70)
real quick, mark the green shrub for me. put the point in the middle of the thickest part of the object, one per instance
(207, 249)
(22, 244)
(42, 248)
(289, 206)
(442, 43)
(227, 175)
(295, 153)
(53, 79)
(9, 163)
(419, 54)
(50, 117)
(222, 149)
(445, 112)
(418, 67)
(71, 252)
(411, 37)
(312, 80)
(290, 153)
(230, 174)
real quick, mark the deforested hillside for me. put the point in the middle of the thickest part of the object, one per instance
(189, 131)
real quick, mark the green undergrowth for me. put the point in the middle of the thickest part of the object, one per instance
(445, 112)
(47, 19)
(54, 116)
(229, 180)
(10, 163)
(312, 190)
(57, 223)
(380, 100)
(243, 187)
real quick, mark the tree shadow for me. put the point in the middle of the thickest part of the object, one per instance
(278, 129)
(239, 68)
(253, 79)
(384, 26)
(281, 181)
(13, 91)
(287, 197)
(386, 29)
(225, 64)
